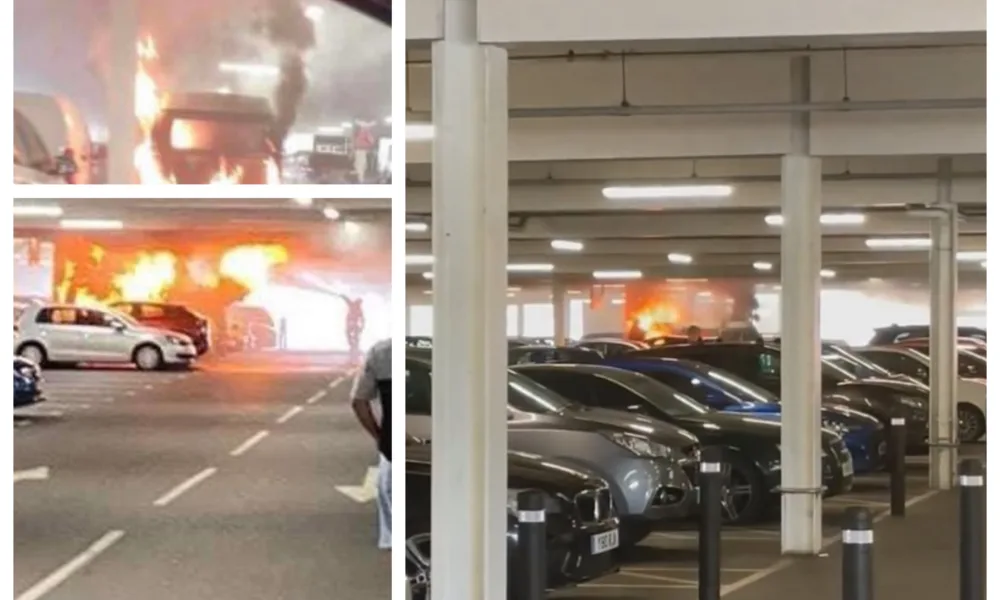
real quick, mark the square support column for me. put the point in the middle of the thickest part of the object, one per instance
(559, 306)
(943, 337)
(801, 481)
(469, 417)
(120, 91)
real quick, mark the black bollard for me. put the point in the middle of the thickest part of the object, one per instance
(710, 526)
(897, 468)
(972, 530)
(532, 561)
(857, 582)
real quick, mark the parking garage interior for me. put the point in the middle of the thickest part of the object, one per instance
(231, 466)
(604, 174)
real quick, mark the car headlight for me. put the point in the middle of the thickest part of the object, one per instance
(177, 341)
(911, 402)
(26, 371)
(641, 446)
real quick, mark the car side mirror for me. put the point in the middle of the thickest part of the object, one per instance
(118, 326)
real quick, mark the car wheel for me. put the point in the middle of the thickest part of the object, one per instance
(971, 423)
(148, 358)
(34, 353)
(744, 495)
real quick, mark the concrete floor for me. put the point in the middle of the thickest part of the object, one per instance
(160, 486)
(666, 564)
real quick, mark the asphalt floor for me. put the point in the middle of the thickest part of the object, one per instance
(214, 484)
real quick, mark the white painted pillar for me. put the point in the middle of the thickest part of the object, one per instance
(943, 340)
(559, 312)
(801, 260)
(120, 91)
(469, 473)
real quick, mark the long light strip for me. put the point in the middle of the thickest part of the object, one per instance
(529, 268)
(617, 274)
(91, 224)
(566, 245)
(657, 192)
(827, 273)
(419, 259)
(22, 210)
(763, 265)
(777, 220)
(899, 243)
(419, 132)
(971, 255)
(680, 259)
(416, 226)
(250, 69)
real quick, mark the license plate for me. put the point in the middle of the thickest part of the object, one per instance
(848, 467)
(604, 542)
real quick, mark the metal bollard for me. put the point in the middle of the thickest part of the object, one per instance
(857, 582)
(897, 468)
(710, 524)
(972, 530)
(531, 562)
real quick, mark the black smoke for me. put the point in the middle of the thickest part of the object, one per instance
(293, 34)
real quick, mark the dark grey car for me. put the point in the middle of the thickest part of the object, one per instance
(648, 463)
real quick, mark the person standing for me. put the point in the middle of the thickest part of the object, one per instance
(374, 383)
(694, 335)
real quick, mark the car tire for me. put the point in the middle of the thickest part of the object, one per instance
(148, 358)
(33, 352)
(971, 423)
(750, 494)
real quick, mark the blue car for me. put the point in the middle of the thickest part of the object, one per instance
(863, 434)
(27, 383)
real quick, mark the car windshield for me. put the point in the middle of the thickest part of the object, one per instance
(664, 397)
(853, 362)
(526, 395)
(123, 317)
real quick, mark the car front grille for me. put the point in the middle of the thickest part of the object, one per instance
(593, 506)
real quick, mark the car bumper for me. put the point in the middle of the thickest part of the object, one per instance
(869, 449)
(570, 559)
(22, 399)
(653, 489)
(175, 355)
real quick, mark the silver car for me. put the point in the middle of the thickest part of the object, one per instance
(646, 462)
(64, 333)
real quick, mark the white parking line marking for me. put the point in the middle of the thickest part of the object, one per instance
(175, 493)
(36, 474)
(44, 413)
(638, 586)
(60, 575)
(250, 442)
(674, 580)
(291, 413)
(336, 382)
(316, 397)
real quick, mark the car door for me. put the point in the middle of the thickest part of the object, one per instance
(102, 340)
(418, 400)
(58, 331)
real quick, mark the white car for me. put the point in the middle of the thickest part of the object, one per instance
(971, 382)
(54, 333)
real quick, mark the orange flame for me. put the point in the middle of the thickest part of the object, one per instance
(149, 278)
(251, 265)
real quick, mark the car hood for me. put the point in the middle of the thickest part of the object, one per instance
(606, 419)
(524, 471)
(716, 425)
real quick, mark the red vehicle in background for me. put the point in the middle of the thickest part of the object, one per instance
(172, 317)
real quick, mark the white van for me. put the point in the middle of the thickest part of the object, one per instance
(60, 127)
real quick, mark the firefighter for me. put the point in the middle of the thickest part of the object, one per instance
(355, 325)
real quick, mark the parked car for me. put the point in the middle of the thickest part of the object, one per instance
(581, 527)
(551, 354)
(27, 383)
(717, 389)
(971, 382)
(969, 344)
(170, 317)
(610, 347)
(893, 334)
(760, 363)
(751, 446)
(649, 464)
(64, 333)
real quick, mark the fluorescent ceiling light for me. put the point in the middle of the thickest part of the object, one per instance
(762, 265)
(331, 129)
(41, 210)
(303, 201)
(777, 220)
(567, 245)
(419, 259)
(971, 255)
(529, 268)
(904, 243)
(419, 132)
(416, 226)
(428, 275)
(654, 192)
(331, 213)
(617, 274)
(347, 125)
(679, 259)
(827, 273)
(514, 289)
(224, 90)
(250, 69)
(618, 301)
(91, 224)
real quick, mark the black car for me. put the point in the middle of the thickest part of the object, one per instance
(520, 355)
(751, 445)
(581, 525)
(760, 363)
(171, 317)
(894, 334)
(609, 348)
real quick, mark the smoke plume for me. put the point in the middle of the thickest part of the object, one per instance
(292, 34)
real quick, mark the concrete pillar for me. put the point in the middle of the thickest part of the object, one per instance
(801, 260)
(469, 473)
(120, 91)
(559, 312)
(943, 338)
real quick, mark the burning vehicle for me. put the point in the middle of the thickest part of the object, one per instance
(215, 138)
